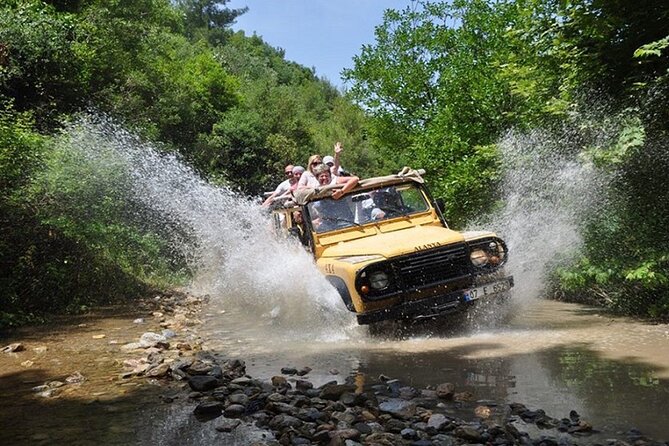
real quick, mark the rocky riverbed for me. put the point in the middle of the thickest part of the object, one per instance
(160, 350)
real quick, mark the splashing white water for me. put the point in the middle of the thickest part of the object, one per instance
(237, 260)
(547, 193)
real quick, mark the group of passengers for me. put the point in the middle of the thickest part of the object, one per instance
(332, 214)
(320, 172)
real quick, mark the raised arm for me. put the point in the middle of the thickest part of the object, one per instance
(337, 150)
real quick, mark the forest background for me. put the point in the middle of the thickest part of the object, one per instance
(442, 84)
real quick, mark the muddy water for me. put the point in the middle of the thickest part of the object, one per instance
(551, 355)
(102, 409)
(554, 356)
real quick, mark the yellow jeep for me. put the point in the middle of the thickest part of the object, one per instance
(388, 251)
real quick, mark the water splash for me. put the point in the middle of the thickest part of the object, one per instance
(548, 191)
(224, 236)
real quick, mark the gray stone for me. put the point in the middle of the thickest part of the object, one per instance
(234, 411)
(283, 421)
(159, 371)
(334, 391)
(446, 391)
(150, 339)
(12, 348)
(408, 434)
(398, 407)
(209, 408)
(303, 385)
(202, 383)
(226, 424)
(239, 398)
(437, 421)
(468, 433)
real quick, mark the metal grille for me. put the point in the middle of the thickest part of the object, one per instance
(433, 266)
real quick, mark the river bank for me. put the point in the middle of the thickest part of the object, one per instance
(105, 377)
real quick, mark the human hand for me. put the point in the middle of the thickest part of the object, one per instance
(337, 194)
(338, 147)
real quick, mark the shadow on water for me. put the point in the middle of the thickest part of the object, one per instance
(102, 408)
(29, 419)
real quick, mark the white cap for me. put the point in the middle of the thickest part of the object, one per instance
(328, 159)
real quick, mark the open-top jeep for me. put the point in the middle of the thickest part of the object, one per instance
(388, 251)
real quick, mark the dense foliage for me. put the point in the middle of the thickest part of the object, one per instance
(439, 87)
(174, 73)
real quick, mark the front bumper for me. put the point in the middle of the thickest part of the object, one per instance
(437, 306)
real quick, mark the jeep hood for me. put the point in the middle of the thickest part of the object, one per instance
(390, 244)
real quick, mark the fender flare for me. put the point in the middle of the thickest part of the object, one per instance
(339, 284)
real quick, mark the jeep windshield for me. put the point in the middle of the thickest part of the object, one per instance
(366, 207)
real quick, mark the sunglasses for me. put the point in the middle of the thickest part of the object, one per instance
(316, 163)
(288, 173)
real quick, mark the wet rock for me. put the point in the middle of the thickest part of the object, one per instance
(199, 368)
(446, 391)
(159, 371)
(334, 391)
(363, 428)
(226, 424)
(463, 396)
(234, 411)
(202, 383)
(393, 387)
(408, 393)
(243, 381)
(132, 346)
(289, 371)
(482, 411)
(75, 378)
(184, 346)
(468, 433)
(282, 408)
(168, 334)
(139, 320)
(398, 407)
(395, 426)
(346, 434)
(581, 427)
(239, 398)
(282, 421)
(304, 371)
(150, 339)
(303, 385)
(443, 440)
(12, 348)
(209, 408)
(408, 434)
(382, 439)
(437, 421)
(279, 381)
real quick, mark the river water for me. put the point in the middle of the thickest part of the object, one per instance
(549, 355)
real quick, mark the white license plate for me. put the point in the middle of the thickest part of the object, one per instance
(487, 290)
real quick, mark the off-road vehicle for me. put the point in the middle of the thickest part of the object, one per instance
(388, 251)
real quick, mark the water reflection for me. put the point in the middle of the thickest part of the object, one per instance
(554, 356)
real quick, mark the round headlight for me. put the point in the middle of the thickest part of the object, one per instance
(478, 257)
(379, 280)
